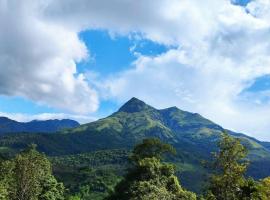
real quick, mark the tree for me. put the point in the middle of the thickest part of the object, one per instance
(265, 186)
(250, 190)
(227, 182)
(256, 190)
(3, 191)
(30, 169)
(6, 180)
(149, 178)
(51, 189)
(74, 198)
(151, 147)
(263, 189)
(29, 177)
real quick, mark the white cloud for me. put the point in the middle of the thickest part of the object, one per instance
(222, 49)
(210, 70)
(22, 117)
(38, 59)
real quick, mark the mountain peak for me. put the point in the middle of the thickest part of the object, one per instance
(134, 105)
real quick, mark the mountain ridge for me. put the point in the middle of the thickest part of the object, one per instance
(193, 136)
(8, 126)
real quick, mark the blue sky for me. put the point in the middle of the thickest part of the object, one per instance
(242, 2)
(85, 59)
(112, 54)
(108, 55)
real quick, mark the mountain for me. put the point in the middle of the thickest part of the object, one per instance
(8, 126)
(136, 120)
(193, 136)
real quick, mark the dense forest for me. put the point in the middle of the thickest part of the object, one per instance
(112, 159)
(150, 175)
(134, 100)
(92, 158)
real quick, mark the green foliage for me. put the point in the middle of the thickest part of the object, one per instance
(51, 189)
(3, 191)
(5, 179)
(92, 159)
(149, 178)
(263, 189)
(93, 154)
(30, 168)
(74, 198)
(91, 175)
(28, 177)
(151, 147)
(227, 183)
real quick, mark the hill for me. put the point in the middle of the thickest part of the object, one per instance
(136, 120)
(8, 126)
(193, 136)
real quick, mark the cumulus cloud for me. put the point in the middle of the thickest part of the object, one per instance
(220, 53)
(221, 49)
(38, 59)
(172, 79)
(164, 21)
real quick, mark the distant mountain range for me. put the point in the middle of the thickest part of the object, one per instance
(193, 136)
(8, 126)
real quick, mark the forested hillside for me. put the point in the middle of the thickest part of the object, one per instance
(28, 175)
(93, 158)
(8, 126)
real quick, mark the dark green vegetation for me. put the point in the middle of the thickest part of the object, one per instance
(28, 176)
(92, 158)
(230, 168)
(8, 126)
(228, 181)
(149, 177)
(91, 175)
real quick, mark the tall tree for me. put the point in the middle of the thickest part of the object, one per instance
(149, 177)
(7, 183)
(265, 187)
(150, 148)
(227, 182)
(29, 177)
(51, 189)
(30, 169)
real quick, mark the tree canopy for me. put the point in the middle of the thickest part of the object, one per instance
(28, 176)
(230, 168)
(229, 181)
(149, 177)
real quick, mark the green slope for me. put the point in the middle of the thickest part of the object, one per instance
(136, 120)
(193, 136)
(8, 126)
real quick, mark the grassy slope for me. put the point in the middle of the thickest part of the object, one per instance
(193, 136)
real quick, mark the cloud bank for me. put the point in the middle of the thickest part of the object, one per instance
(220, 49)
(22, 117)
(38, 59)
